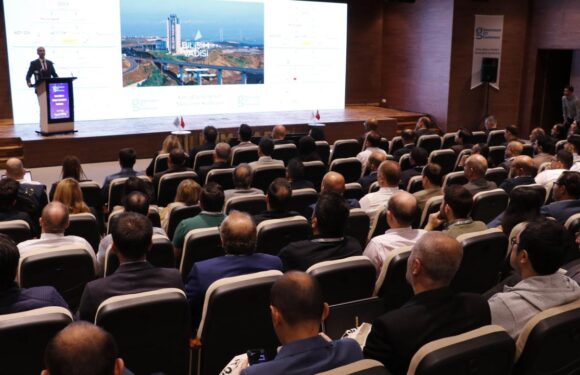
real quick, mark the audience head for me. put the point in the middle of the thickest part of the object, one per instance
(132, 234)
(481, 149)
(423, 123)
(69, 193)
(210, 134)
(490, 123)
(71, 168)
(536, 132)
(82, 348)
(127, 157)
(567, 186)
(15, 169)
(514, 148)
(512, 133)
(523, 165)
(211, 198)
(330, 215)
(573, 144)
(9, 258)
(177, 157)
(457, 203)
(306, 146)
(434, 260)
(169, 143)
(475, 167)
(266, 146)
(432, 175)
(279, 132)
(371, 124)
(279, 195)
(54, 218)
(408, 136)
(402, 210)
(188, 192)
(419, 156)
(333, 182)
(134, 183)
(373, 139)
(558, 131)
(389, 174)
(222, 152)
(375, 160)
(137, 202)
(8, 193)
(569, 90)
(463, 137)
(295, 170)
(524, 205)
(317, 133)
(238, 234)
(242, 176)
(245, 133)
(546, 145)
(564, 160)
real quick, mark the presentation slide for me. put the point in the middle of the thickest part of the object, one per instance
(150, 58)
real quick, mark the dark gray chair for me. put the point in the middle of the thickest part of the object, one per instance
(274, 234)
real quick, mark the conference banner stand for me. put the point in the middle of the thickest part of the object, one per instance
(55, 98)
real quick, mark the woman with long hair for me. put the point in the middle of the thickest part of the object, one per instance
(71, 168)
(187, 194)
(169, 143)
(68, 192)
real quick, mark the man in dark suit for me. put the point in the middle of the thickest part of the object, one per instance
(523, 172)
(409, 144)
(474, 170)
(418, 159)
(210, 136)
(40, 68)
(31, 194)
(132, 234)
(434, 312)
(277, 202)
(375, 159)
(238, 235)
(566, 194)
(221, 156)
(176, 162)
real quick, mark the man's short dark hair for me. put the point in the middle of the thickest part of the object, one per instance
(571, 181)
(466, 135)
(513, 130)
(279, 194)
(212, 197)
(127, 157)
(433, 173)
(298, 297)
(566, 158)
(317, 133)
(546, 243)
(136, 202)
(242, 176)
(135, 183)
(266, 146)
(569, 88)
(547, 144)
(245, 132)
(9, 257)
(8, 193)
(132, 234)
(459, 199)
(177, 156)
(295, 170)
(331, 214)
(210, 134)
(419, 156)
(574, 140)
(408, 135)
(374, 139)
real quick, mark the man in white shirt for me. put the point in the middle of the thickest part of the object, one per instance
(372, 143)
(388, 178)
(401, 212)
(563, 162)
(265, 149)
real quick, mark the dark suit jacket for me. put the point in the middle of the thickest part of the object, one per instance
(36, 66)
(203, 147)
(511, 183)
(406, 176)
(561, 210)
(428, 316)
(204, 273)
(300, 255)
(479, 185)
(301, 184)
(135, 277)
(203, 171)
(270, 215)
(15, 299)
(366, 181)
(402, 151)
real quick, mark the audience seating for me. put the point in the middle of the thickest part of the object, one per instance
(550, 342)
(497, 175)
(358, 225)
(222, 337)
(223, 177)
(405, 161)
(178, 214)
(391, 284)
(263, 175)
(484, 254)
(573, 224)
(539, 188)
(448, 140)
(160, 163)
(153, 215)
(374, 187)
(560, 145)
(203, 159)
(444, 158)
(353, 190)
(323, 151)
(302, 199)
(160, 255)
(496, 155)
(488, 204)
(198, 245)
(151, 330)
(362, 367)
(379, 224)
(344, 148)
(168, 186)
(349, 315)
(274, 234)
(350, 168)
(314, 172)
(253, 204)
(396, 143)
(85, 225)
(285, 152)
(345, 280)
(429, 142)
(454, 178)
(486, 350)
(294, 137)
(116, 190)
(384, 145)
(463, 153)
(67, 268)
(24, 336)
(496, 138)
(18, 230)
(432, 205)
(528, 150)
(92, 195)
(244, 155)
(544, 166)
(415, 184)
(479, 137)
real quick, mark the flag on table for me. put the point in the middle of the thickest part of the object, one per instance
(176, 122)
(182, 123)
(317, 115)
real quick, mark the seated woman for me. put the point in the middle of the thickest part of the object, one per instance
(71, 168)
(524, 205)
(187, 195)
(169, 143)
(68, 192)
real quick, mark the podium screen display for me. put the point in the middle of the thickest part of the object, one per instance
(59, 103)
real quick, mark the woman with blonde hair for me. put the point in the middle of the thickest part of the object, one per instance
(68, 192)
(187, 195)
(169, 143)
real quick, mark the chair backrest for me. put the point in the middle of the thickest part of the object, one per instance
(448, 140)
(573, 224)
(253, 204)
(200, 244)
(396, 143)
(168, 186)
(353, 190)
(405, 162)
(152, 214)
(374, 187)
(223, 337)
(528, 150)
(302, 199)
(263, 175)
(285, 152)
(429, 142)
(160, 163)
(294, 137)
(116, 190)
(496, 138)
(560, 144)
(496, 155)
(160, 255)
(454, 178)
(486, 350)
(549, 343)
(544, 166)
(488, 204)
(203, 159)
(67, 268)
(92, 194)
(463, 153)
(384, 144)
(323, 150)
(415, 184)
(274, 234)
(432, 205)
(85, 225)
(17, 230)
(25, 335)
(392, 285)
(344, 148)
(483, 256)
(348, 315)
(357, 225)
(445, 158)
(244, 155)
(151, 329)
(497, 175)
(178, 214)
(541, 189)
(224, 177)
(362, 367)
(349, 168)
(345, 280)
(479, 137)
(314, 172)
(379, 224)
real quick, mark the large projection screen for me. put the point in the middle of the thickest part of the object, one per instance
(151, 58)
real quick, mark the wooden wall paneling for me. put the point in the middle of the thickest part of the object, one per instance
(5, 101)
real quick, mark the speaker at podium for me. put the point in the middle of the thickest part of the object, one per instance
(56, 101)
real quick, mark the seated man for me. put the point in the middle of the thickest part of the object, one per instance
(408, 137)
(83, 348)
(474, 170)
(513, 150)
(489, 124)
(221, 157)
(463, 140)
(238, 235)
(329, 242)
(401, 212)
(544, 150)
(373, 141)
(432, 181)
(8, 197)
(388, 178)
(176, 162)
(31, 194)
(295, 174)
(454, 213)
(279, 134)
(566, 194)
(374, 161)
(563, 162)
(265, 149)
(512, 134)
(418, 158)
(127, 159)
(210, 135)
(245, 137)
(277, 202)
(434, 312)
(536, 255)
(132, 234)
(371, 125)
(14, 299)
(242, 177)
(523, 172)
(334, 182)
(298, 308)
(572, 145)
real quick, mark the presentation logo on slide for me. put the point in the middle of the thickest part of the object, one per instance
(185, 42)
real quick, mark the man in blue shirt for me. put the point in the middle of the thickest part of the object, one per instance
(127, 159)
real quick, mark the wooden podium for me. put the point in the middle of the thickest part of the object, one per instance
(56, 101)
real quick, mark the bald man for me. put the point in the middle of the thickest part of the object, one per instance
(334, 182)
(278, 134)
(513, 149)
(389, 176)
(374, 161)
(41, 68)
(523, 171)
(238, 235)
(402, 210)
(434, 312)
(82, 348)
(32, 195)
(474, 170)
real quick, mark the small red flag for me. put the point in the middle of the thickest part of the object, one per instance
(182, 123)
(317, 115)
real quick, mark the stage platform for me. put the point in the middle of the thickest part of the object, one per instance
(99, 141)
